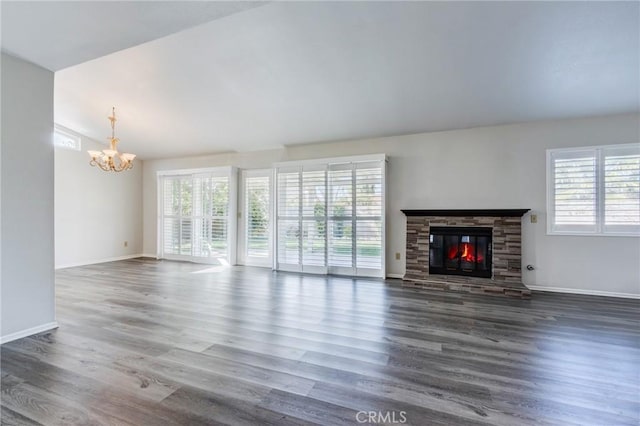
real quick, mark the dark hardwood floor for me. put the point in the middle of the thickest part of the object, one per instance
(143, 342)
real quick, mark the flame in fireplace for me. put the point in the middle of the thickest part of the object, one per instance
(466, 252)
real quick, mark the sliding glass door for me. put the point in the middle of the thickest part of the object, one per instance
(324, 217)
(195, 216)
(330, 217)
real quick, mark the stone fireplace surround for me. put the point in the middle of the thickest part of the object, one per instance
(507, 251)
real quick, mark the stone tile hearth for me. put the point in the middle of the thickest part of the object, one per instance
(473, 285)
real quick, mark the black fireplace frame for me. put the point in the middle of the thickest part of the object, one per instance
(476, 231)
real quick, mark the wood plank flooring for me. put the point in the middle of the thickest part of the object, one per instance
(145, 342)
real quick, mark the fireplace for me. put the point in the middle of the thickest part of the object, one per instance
(460, 251)
(472, 251)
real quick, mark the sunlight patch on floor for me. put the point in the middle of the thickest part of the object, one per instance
(223, 266)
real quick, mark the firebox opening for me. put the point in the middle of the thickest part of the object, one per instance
(460, 251)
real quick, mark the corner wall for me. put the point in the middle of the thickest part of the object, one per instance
(27, 287)
(480, 168)
(95, 211)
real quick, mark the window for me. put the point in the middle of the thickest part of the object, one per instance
(330, 216)
(594, 191)
(256, 215)
(65, 139)
(195, 215)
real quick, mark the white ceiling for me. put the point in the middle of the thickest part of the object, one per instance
(59, 34)
(298, 72)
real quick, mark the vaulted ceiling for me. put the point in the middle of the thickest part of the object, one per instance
(59, 34)
(299, 72)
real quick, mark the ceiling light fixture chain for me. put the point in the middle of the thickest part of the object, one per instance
(110, 160)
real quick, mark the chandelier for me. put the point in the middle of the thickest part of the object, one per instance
(110, 160)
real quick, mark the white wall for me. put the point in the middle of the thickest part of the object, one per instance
(27, 287)
(95, 211)
(489, 167)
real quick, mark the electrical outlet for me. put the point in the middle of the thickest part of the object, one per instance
(534, 218)
(126, 243)
(397, 256)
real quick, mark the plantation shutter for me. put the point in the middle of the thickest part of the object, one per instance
(289, 218)
(186, 216)
(171, 215)
(314, 218)
(257, 216)
(341, 220)
(574, 185)
(368, 186)
(621, 189)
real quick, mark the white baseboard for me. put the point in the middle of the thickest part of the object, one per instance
(398, 276)
(28, 332)
(586, 292)
(153, 256)
(92, 262)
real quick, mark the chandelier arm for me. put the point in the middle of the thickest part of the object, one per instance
(98, 163)
(120, 166)
(123, 164)
(104, 166)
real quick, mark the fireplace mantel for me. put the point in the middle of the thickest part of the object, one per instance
(468, 212)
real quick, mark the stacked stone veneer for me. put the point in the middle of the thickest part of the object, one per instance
(506, 250)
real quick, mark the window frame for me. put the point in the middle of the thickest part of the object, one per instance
(600, 229)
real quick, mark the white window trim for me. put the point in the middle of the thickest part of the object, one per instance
(332, 160)
(232, 224)
(71, 135)
(599, 231)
